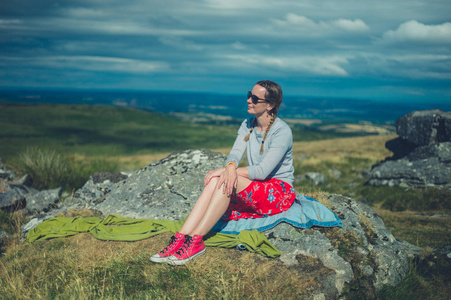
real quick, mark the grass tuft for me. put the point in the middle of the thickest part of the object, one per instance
(49, 169)
(423, 281)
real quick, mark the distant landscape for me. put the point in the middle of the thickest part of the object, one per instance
(230, 107)
(310, 119)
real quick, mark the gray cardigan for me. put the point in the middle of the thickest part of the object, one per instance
(277, 158)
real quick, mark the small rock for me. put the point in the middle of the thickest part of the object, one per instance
(335, 173)
(316, 177)
(24, 180)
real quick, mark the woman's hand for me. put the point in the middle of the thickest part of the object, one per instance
(212, 174)
(228, 180)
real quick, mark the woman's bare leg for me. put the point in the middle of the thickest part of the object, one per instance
(200, 207)
(216, 208)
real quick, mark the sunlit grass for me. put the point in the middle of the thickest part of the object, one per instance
(84, 267)
(423, 229)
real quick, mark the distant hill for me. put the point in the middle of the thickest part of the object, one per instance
(107, 130)
(101, 130)
(328, 110)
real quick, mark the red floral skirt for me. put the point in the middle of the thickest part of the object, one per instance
(260, 199)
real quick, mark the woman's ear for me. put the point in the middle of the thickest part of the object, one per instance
(270, 106)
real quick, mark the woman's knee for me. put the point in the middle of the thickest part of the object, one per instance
(213, 182)
(211, 185)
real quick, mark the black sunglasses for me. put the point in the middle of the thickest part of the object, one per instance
(254, 98)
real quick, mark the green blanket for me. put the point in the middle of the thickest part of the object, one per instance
(117, 228)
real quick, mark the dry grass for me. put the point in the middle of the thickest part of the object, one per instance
(371, 147)
(335, 150)
(306, 122)
(421, 229)
(135, 162)
(3, 186)
(358, 128)
(84, 267)
(84, 212)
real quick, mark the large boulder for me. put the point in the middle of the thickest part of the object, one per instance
(426, 127)
(363, 253)
(421, 153)
(167, 189)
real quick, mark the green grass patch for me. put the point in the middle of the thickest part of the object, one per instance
(49, 169)
(423, 281)
(96, 130)
(401, 199)
(102, 130)
(349, 170)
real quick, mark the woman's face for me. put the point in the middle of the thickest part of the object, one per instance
(261, 107)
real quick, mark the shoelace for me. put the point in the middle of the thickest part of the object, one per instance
(186, 246)
(171, 244)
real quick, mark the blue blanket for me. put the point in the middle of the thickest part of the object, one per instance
(304, 213)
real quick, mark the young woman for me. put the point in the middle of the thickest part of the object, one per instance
(261, 189)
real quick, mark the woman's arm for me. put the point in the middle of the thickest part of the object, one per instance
(279, 143)
(239, 146)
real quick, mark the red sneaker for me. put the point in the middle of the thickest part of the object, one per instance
(174, 245)
(193, 247)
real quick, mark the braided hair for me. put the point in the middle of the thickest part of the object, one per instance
(273, 95)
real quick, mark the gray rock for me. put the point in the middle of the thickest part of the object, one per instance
(316, 177)
(42, 201)
(425, 127)
(423, 167)
(335, 173)
(298, 179)
(19, 196)
(5, 173)
(367, 247)
(363, 251)
(104, 177)
(24, 180)
(167, 189)
(14, 197)
(421, 153)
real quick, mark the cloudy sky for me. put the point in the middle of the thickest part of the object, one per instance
(384, 50)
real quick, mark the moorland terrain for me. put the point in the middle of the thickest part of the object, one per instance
(123, 139)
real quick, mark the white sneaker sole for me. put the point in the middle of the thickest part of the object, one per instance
(174, 261)
(158, 259)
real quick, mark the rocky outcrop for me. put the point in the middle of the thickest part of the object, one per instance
(421, 153)
(165, 190)
(423, 128)
(362, 253)
(16, 196)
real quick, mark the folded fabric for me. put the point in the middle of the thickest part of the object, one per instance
(304, 213)
(117, 228)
